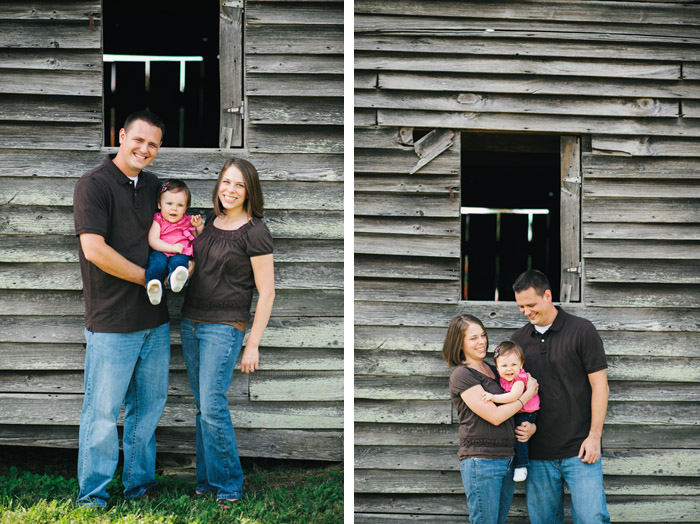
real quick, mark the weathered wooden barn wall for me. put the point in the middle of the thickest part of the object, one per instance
(623, 76)
(50, 133)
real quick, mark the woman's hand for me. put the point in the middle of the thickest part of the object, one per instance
(249, 360)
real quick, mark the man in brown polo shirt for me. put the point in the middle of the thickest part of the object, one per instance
(128, 339)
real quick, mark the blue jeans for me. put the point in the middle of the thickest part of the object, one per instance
(211, 351)
(129, 368)
(161, 266)
(522, 456)
(488, 483)
(545, 491)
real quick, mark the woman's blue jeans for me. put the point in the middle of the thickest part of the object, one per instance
(489, 485)
(211, 351)
(545, 491)
(122, 367)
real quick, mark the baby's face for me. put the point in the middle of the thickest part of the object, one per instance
(508, 366)
(173, 205)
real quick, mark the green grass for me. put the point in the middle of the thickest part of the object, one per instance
(285, 493)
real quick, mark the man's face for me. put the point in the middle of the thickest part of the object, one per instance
(138, 146)
(537, 308)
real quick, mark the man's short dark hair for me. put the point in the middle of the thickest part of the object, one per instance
(532, 278)
(148, 117)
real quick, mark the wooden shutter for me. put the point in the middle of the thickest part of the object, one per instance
(570, 210)
(231, 73)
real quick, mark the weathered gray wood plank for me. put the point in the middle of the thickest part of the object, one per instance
(425, 292)
(271, 14)
(401, 161)
(644, 146)
(293, 139)
(50, 60)
(542, 11)
(624, 166)
(65, 249)
(401, 246)
(647, 271)
(51, 11)
(37, 357)
(406, 205)
(624, 249)
(517, 66)
(288, 303)
(405, 226)
(295, 64)
(39, 35)
(302, 85)
(641, 295)
(632, 210)
(273, 443)
(615, 436)
(526, 122)
(504, 315)
(536, 85)
(65, 410)
(365, 80)
(85, 136)
(295, 110)
(298, 40)
(417, 412)
(612, 231)
(663, 463)
(406, 268)
(523, 46)
(279, 194)
(497, 103)
(302, 387)
(417, 183)
(28, 220)
(50, 109)
(600, 188)
(188, 164)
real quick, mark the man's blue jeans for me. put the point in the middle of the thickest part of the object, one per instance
(211, 351)
(129, 368)
(160, 265)
(545, 491)
(489, 485)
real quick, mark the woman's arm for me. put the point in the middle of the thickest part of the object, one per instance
(161, 245)
(264, 274)
(492, 413)
(513, 395)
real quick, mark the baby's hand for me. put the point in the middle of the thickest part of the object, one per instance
(487, 397)
(196, 220)
(178, 248)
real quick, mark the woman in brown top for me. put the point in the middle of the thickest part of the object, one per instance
(232, 256)
(486, 433)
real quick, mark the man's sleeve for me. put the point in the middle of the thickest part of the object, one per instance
(90, 207)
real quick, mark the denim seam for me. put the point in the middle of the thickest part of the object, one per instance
(136, 419)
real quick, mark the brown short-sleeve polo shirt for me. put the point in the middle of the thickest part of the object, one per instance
(106, 203)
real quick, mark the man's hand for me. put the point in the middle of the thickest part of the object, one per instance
(190, 268)
(590, 450)
(525, 431)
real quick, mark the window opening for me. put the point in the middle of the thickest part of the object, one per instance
(165, 60)
(510, 212)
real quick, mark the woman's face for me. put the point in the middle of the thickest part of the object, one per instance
(475, 343)
(231, 190)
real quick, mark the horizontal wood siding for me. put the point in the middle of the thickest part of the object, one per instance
(624, 76)
(294, 76)
(51, 133)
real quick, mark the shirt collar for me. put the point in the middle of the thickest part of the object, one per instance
(117, 173)
(557, 325)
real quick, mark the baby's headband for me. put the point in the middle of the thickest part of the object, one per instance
(164, 187)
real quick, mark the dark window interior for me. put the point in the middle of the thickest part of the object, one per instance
(155, 27)
(501, 174)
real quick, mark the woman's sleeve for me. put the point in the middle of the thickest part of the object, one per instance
(461, 380)
(259, 240)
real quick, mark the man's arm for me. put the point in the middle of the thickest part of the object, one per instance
(591, 447)
(104, 256)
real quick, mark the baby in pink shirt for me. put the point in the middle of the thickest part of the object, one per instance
(509, 358)
(171, 236)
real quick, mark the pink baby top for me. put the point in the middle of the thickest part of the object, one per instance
(178, 233)
(531, 405)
